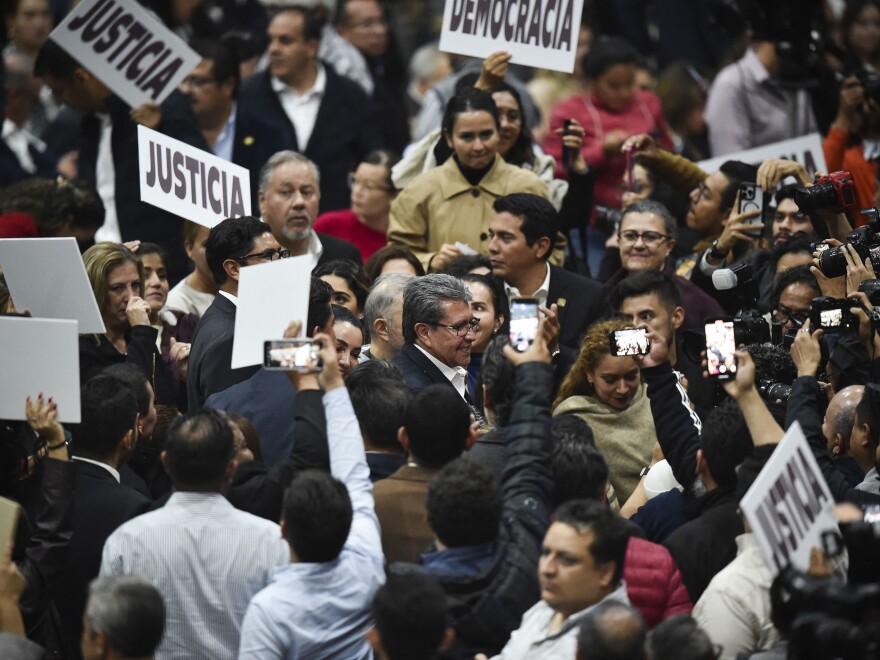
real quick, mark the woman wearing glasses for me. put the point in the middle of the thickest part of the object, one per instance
(365, 224)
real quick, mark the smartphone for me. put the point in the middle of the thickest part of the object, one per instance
(567, 152)
(751, 198)
(872, 512)
(632, 341)
(523, 323)
(302, 355)
(721, 349)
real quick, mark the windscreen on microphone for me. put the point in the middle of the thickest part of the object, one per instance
(724, 279)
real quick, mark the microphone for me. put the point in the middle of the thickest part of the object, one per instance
(725, 279)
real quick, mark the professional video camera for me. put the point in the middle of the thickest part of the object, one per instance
(772, 391)
(834, 193)
(749, 325)
(608, 219)
(865, 240)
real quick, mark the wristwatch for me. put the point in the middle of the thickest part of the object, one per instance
(644, 472)
(714, 252)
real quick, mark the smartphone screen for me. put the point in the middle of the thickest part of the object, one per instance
(720, 349)
(293, 355)
(633, 341)
(523, 323)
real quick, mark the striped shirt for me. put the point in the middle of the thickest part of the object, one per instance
(207, 559)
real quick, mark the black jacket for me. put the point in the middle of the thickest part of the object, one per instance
(418, 371)
(345, 130)
(256, 140)
(581, 302)
(487, 608)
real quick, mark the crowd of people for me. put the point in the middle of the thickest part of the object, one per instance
(421, 478)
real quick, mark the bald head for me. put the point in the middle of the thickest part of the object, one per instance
(839, 419)
(612, 631)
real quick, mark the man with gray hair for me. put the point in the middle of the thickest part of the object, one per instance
(290, 193)
(124, 618)
(22, 154)
(438, 331)
(383, 312)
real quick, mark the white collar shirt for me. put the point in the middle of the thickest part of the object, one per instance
(540, 295)
(226, 140)
(109, 469)
(105, 183)
(229, 297)
(455, 375)
(302, 109)
(19, 141)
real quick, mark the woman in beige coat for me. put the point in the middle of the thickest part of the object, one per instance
(453, 203)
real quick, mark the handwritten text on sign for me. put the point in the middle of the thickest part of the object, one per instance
(538, 33)
(128, 49)
(189, 182)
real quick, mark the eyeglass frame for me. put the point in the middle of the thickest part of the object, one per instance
(472, 325)
(641, 235)
(283, 253)
(794, 317)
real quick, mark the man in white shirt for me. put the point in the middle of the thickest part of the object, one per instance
(22, 154)
(207, 558)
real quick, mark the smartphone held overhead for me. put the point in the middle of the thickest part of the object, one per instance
(632, 341)
(523, 323)
(720, 349)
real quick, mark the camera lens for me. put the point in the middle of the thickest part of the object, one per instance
(832, 262)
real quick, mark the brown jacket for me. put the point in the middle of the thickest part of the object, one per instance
(440, 206)
(400, 507)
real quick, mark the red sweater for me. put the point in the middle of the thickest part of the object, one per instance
(840, 155)
(653, 582)
(642, 115)
(345, 225)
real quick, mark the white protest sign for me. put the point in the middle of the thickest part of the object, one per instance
(270, 296)
(537, 33)
(789, 505)
(806, 150)
(47, 277)
(189, 182)
(127, 48)
(39, 355)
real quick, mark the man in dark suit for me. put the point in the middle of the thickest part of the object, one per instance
(289, 199)
(522, 235)
(232, 245)
(106, 117)
(102, 441)
(436, 430)
(231, 131)
(330, 118)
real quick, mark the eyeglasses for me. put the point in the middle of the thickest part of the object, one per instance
(369, 186)
(268, 255)
(703, 191)
(649, 238)
(196, 81)
(784, 315)
(461, 329)
(369, 23)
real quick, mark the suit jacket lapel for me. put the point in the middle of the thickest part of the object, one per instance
(558, 289)
(274, 101)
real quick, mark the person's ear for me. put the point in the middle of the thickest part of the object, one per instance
(542, 246)
(261, 202)
(606, 573)
(448, 639)
(837, 445)
(228, 86)
(423, 333)
(283, 529)
(128, 440)
(678, 315)
(163, 458)
(380, 329)
(230, 469)
(605, 491)
(403, 438)
(473, 434)
(670, 246)
(701, 462)
(232, 268)
(448, 138)
(498, 323)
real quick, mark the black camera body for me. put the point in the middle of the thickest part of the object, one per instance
(608, 220)
(835, 193)
(772, 391)
(871, 288)
(750, 327)
(865, 240)
(832, 315)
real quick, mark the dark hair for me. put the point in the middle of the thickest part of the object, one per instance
(464, 504)
(231, 238)
(606, 53)
(785, 192)
(539, 218)
(499, 298)
(580, 471)
(109, 411)
(613, 630)
(317, 516)
(380, 399)
(794, 245)
(198, 449)
(678, 637)
(153, 248)
(850, 15)
(610, 532)
(53, 203)
(682, 87)
(344, 315)
(437, 422)
(736, 172)
(387, 159)
(773, 363)
(468, 99)
(569, 427)
(353, 275)
(313, 20)
(129, 611)
(499, 376)
(374, 265)
(136, 379)
(463, 264)
(868, 412)
(750, 467)
(796, 275)
(647, 282)
(410, 615)
(320, 308)
(56, 62)
(224, 60)
(725, 442)
(425, 299)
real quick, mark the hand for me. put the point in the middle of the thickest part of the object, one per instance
(301, 381)
(774, 170)
(573, 139)
(446, 252)
(494, 69)
(744, 382)
(132, 245)
(735, 228)
(833, 287)
(657, 354)
(330, 378)
(614, 141)
(820, 565)
(180, 354)
(867, 335)
(551, 328)
(538, 351)
(147, 114)
(11, 580)
(138, 312)
(643, 147)
(805, 351)
(42, 418)
(856, 271)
